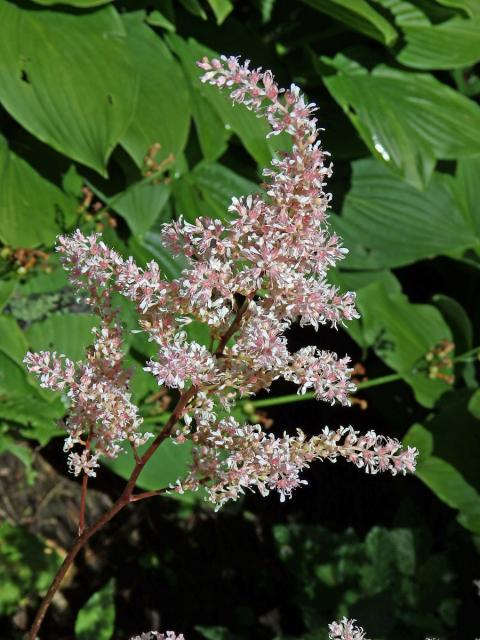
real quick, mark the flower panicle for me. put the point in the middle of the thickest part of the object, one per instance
(246, 280)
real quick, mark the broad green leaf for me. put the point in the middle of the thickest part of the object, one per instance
(96, 619)
(474, 404)
(251, 130)
(81, 4)
(68, 333)
(471, 7)
(169, 463)
(431, 47)
(38, 417)
(195, 8)
(67, 78)
(21, 451)
(221, 9)
(467, 192)
(212, 133)
(157, 19)
(356, 280)
(359, 15)
(13, 342)
(7, 288)
(387, 223)
(457, 319)
(402, 334)
(408, 120)
(151, 248)
(162, 113)
(208, 191)
(447, 483)
(421, 438)
(32, 210)
(141, 205)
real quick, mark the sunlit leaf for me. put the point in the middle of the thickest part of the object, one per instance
(50, 85)
(408, 120)
(162, 112)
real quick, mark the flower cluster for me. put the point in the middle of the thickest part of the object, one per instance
(345, 630)
(253, 459)
(247, 280)
(101, 410)
(155, 635)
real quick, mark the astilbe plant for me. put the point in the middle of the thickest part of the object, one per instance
(248, 280)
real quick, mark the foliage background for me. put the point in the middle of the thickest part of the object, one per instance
(104, 125)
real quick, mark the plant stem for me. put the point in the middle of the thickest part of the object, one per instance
(125, 499)
(83, 503)
(310, 395)
(128, 496)
(367, 384)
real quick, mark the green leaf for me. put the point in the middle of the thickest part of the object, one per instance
(467, 192)
(81, 4)
(50, 85)
(68, 333)
(170, 463)
(221, 8)
(27, 568)
(7, 288)
(162, 113)
(96, 619)
(195, 8)
(157, 19)
(251, 130)
(32, 210)
(447, 483)
(474, 404)
(387, 223)
(141, 204)
(13, 342)
(356, 280)
(208, 190)
(359, 15)
(458, 321)
(151, 248)
(212, 133)
(431, 46)
(408, 120)
(402, 334)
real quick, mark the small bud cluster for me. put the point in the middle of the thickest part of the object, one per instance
(247, 280)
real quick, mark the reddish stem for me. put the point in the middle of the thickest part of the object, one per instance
(127, 495)
(123, 500)
(83, 504)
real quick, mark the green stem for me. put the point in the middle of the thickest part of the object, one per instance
(375, 382)
(310, 395)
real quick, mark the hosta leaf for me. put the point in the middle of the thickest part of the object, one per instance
(7, 288)
(208, 191)
(32, 210)
(68, 333)
(359, 15)
(221, 9)
(408, 120)
(170, 462)
(251, 130)
(387, 223)
(162, 113)
(81, 4)
(212, 133)
(402, 334)
(446, 481)
(430, 46)
(50, 84)
(141, 205)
